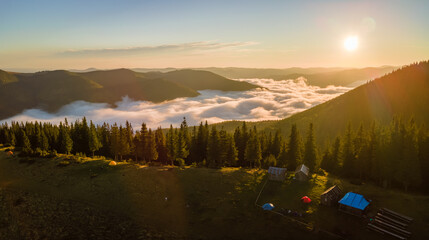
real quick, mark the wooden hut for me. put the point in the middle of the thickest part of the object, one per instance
(354, 204)
(276, 174)
(331, 196)
(302, 173)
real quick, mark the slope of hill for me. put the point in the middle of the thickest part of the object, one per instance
(50, 90)
(46, 90)
(6, 77)
(404, 93)
(316, 76)
(339, 78)
(192, 79)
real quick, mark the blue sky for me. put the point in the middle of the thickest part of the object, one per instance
(109, 34)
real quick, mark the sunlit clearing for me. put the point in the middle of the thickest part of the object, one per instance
(351, 43)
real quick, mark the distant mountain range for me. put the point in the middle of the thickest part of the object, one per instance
(403, 93)
(321, 77)
(50, 90)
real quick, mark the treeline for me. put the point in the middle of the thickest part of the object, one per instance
(392, 155)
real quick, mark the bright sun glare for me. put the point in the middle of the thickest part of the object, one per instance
(351, 43)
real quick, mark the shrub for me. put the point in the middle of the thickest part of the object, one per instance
(63, 163)
(179, 162)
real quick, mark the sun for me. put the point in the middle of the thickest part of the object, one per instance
(351, 43)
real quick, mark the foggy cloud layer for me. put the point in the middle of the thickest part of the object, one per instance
(275, 100)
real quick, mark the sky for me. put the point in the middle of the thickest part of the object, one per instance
(80, 34)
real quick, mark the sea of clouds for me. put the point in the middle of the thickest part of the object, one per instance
(274, 100)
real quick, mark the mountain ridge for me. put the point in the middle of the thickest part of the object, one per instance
(50, 90)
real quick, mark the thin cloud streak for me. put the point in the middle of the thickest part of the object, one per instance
(184, 47)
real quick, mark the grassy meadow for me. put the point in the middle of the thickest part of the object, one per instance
(203, 203)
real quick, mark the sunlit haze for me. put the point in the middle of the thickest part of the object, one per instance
(80, 34)
(351, 43)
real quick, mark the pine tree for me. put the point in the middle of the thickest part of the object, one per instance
(115, 139)
(26, 145)
(151, 153)
(361, 151)
(423, 140)
(282, 159)
(241, 136)
(310, 152)
(337, 154)
(410, 166)
(253, 152)
(183, 141)
(348, 153)
(11, 139)
(202, 141)
(326, 163)
(65, 141)
(130, 137)
(94, 142)
(143, 143)
(213, 149)
(276, 144)
(161, 147)
(231, 152)
(124, 146)
(294, 152)
(171, 144)
(44, 143)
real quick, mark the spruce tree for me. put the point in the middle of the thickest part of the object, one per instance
(294, 152)
(171, 144)
(151, 153)
(348, 154)
(26, 145)
(310, 152)
(253, 152)
(213, 149)
(161, 147)
(231, 152)
(143, 143)
(282, 159)
(94, 142)
(115, 139)
(124, 146)
(337, 154)
(65, 141)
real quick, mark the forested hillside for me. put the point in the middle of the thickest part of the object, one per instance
(396, 154)
(403, 93)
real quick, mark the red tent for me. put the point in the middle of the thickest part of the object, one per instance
(306, 199)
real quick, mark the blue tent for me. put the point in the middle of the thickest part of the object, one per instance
(354, 200)
(268, 206)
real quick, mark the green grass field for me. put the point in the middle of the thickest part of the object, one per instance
(202, 203)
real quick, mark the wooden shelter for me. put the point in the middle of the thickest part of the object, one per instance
(276, 174)
(302, 173)
(331, 196)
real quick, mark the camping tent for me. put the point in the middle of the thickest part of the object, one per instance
(331, 196)
(306, 199)
(353, 203)
(276, 174)
(302, 173)
(268, 206)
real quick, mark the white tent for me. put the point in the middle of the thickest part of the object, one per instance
(276, 174)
